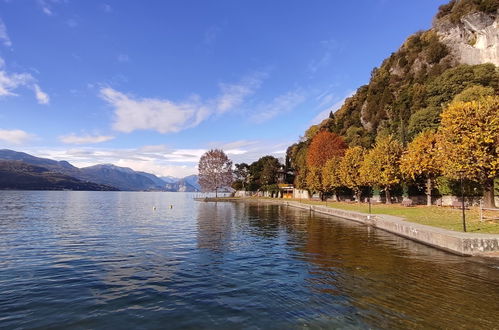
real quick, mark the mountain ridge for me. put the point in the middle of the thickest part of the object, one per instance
(121, 178)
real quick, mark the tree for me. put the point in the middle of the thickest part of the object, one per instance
(241, 175)
(314, 180)
(381, 164)
(420, 160)
(330, 177)
(474, 93)
(215, 170)
(469, 143)
(324, 146)
(349, 170)
(264, 171)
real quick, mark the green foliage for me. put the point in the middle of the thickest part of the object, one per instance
(427, 118)
(449, 187)
(237, 185)
(272, 188)
(474, 93)
(357, 136)
(263, 172)
(442, 89)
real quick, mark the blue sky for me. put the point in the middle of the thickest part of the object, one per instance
(151, 85)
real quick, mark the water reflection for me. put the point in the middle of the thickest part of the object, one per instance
(111, 260)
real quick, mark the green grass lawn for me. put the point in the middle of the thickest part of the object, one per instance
(443, 217)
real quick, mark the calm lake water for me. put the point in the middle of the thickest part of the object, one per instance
(108, 260)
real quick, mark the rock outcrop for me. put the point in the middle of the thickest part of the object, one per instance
(474, 40)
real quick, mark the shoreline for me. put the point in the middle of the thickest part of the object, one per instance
(464, 244)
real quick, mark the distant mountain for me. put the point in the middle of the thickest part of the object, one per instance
(187, 184)
(169, 179)
(159, 182)
(16, 174)
(57, 166)
(121, 178)
(193, 181)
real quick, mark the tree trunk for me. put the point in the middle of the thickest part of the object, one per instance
(488, 194)
(388, 197)
(216, 192)
(429, 186)
(358, 195)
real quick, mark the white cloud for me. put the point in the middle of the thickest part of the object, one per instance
(279, 105)
(4, 37)
(45, 5)
(166, 116)
(233, 95)
(163, 160)
(9, 82)
(41, 96)
(85, 139)
(15, 136)
(163, 116)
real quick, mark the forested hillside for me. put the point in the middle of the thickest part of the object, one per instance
(456, 60)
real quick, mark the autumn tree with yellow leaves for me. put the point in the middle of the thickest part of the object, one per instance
(349, 170)
(420, 160)
(381, 165)
(469, 143)
(314, 180)
(331, 180)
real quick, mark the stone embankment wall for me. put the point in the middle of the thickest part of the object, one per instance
(455, 242)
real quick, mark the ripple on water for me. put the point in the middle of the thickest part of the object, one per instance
(108, 260)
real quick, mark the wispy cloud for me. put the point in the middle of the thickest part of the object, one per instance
(85, 139)
(46, 6)
(279, 105)
(15, 137)
(166, 116)
(328, 47)
(4, 37)
(233, 95)
(41, 96)
(9, 82)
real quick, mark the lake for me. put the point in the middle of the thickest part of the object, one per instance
(111, 260)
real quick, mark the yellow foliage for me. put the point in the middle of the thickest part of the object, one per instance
(469, 139)
(349, 169)
(420, 158)
(330, 174)
(381, 164)
(314, 179)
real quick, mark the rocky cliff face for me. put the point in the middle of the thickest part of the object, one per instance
(474, 40)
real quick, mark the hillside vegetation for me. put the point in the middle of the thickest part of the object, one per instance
(406, 96)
